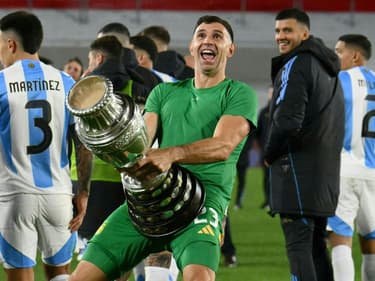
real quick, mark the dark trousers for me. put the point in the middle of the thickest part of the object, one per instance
(241, 174)
(104, 198)
(266, 189)
(306, 248)
(228, 248)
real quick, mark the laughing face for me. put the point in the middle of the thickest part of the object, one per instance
(289, 34)
(211, 46)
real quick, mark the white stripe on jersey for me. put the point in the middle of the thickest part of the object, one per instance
(164, 76)
(34, 122)
(358, 155)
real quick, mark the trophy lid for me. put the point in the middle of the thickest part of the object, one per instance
(88, 94)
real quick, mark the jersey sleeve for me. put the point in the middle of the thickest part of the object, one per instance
(153, 103)
(243, 101)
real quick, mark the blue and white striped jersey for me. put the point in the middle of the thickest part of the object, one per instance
(358, 158)
(34, 123)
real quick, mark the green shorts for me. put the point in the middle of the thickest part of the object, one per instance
(117, 246)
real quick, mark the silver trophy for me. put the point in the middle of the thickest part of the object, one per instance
(112, 127)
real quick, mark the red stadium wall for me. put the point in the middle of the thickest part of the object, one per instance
(222, 5)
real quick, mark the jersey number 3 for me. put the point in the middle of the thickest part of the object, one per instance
(41, 123)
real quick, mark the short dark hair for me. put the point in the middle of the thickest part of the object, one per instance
(294, 13)
(213, 19)
(25, 25)
(157, 32)
(146, 44)
(115, 27)
(45, 60)
(109, 45)
(75, 59)
(359, 41)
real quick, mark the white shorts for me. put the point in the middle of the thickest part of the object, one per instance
(356, 206)
(32, 221)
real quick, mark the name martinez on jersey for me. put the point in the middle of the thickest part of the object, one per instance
(34, 85)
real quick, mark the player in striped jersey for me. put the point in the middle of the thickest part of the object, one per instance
(357, 188)
(35, 187)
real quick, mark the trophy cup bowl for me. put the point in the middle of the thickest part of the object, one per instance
(112, 127)
(107, 123)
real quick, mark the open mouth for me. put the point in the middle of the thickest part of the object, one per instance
(283, 43)
(208, 55)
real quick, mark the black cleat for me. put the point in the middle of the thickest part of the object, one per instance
(230, 261)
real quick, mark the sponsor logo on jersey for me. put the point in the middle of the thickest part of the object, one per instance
(207, 230)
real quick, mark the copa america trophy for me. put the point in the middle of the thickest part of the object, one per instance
(112, 127)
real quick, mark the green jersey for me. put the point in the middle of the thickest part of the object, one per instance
(188, 114)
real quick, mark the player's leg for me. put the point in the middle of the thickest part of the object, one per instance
(321, 257)
(105, 197)
(198, 272)
(16, 227)
(157, 266)
(341, 229)
(368, 258)
(57, 273)
(197, 248)
(139, 272)
(298, 233)
(56, 242)
(228, 249)
(160, 267)
(366, 230)
(342, 260)
(241, 176)
(173, 270)
(114, 250)
(19, 274)
(87, 271)
(266, 190)
(125, 277)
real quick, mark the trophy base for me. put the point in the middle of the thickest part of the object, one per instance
(169, 207)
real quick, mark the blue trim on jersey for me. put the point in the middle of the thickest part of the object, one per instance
(40, 162)
(370, 236)
(369, 143)
(142, 278)
(340, 227)
(346, 84)
(296, 184)
(67, 84)
(13, 257)
(65, 253)
(164, 76)
(5, 132)
(294, 278)
(285, 79)
(305, 221)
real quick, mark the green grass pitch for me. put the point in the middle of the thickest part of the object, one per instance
(258, 240)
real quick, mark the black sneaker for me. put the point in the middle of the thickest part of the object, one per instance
(230, 261)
